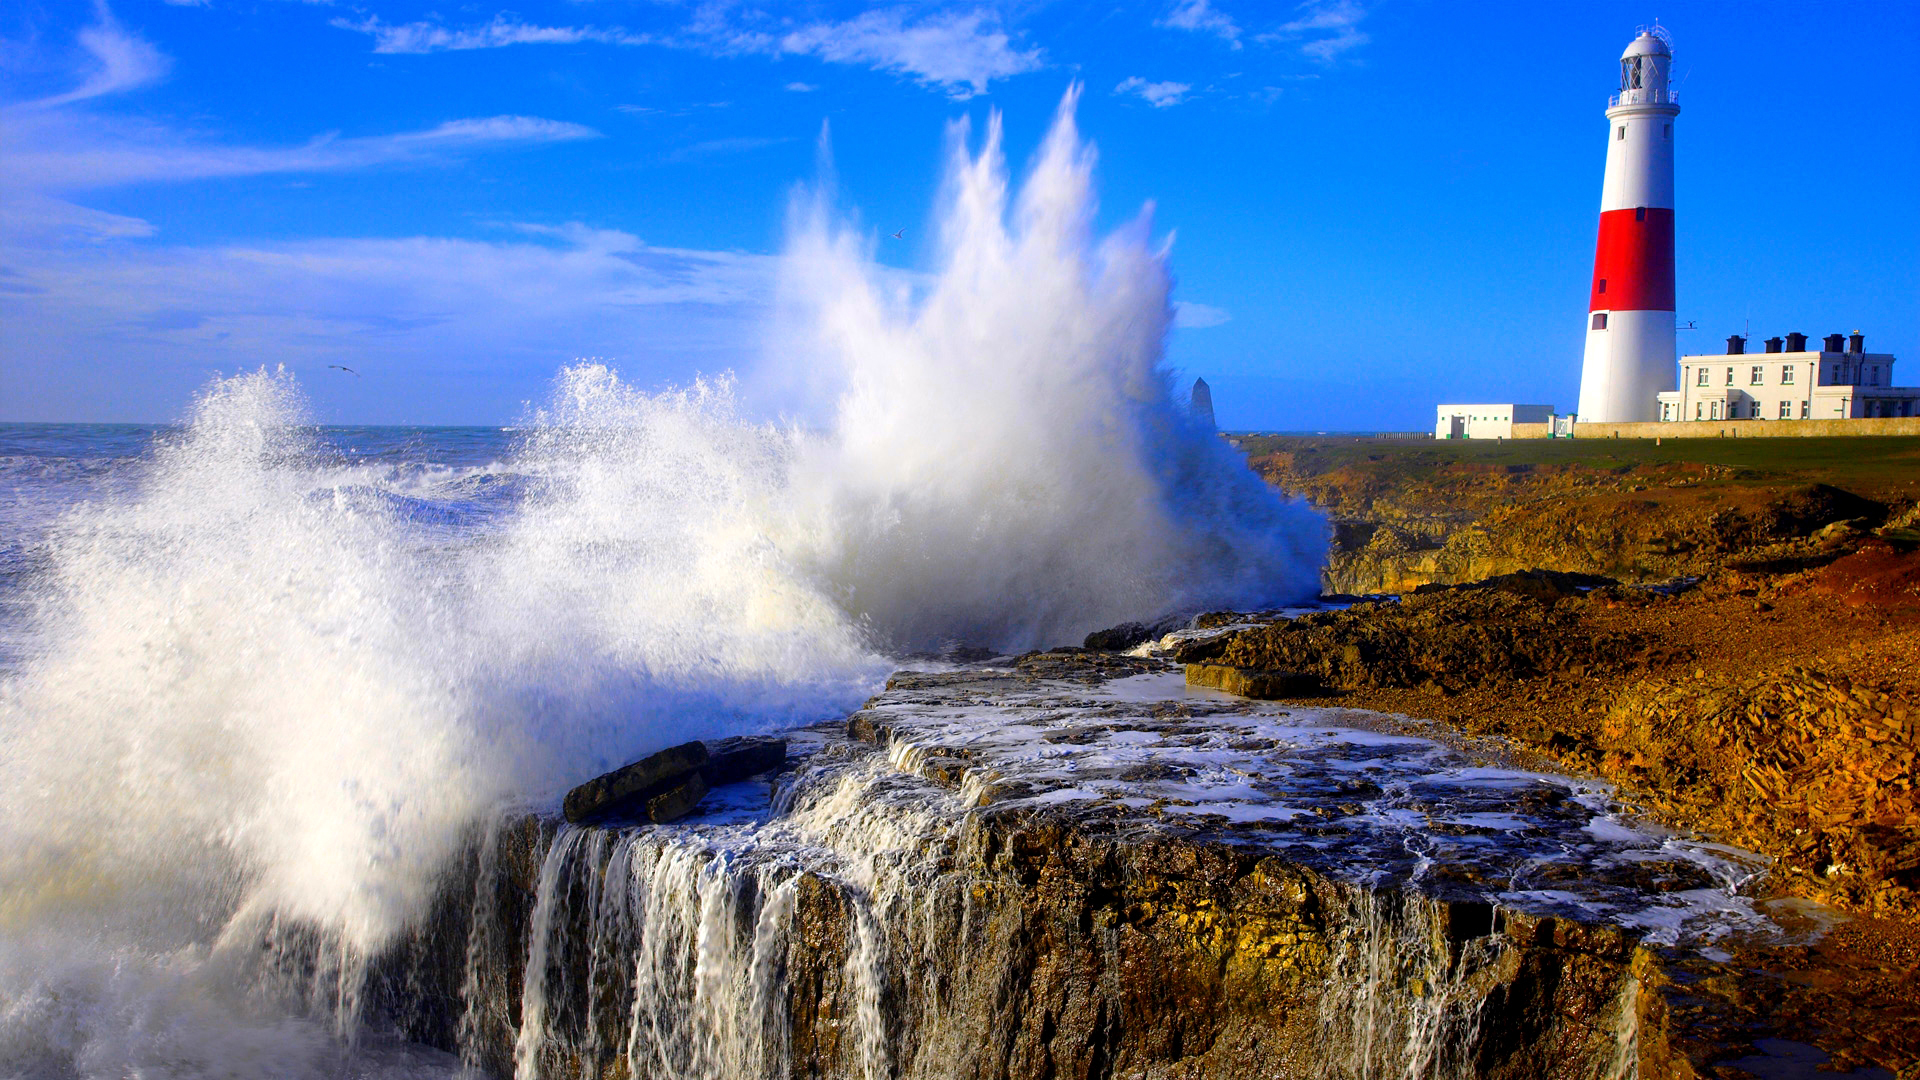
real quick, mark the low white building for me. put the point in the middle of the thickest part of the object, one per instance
(1789, 382)
(1487, 421)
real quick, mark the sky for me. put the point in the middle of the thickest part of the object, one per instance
(1374, 205)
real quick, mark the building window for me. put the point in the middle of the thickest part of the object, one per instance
(1620, 133)
(1786, 410)
(1599, 320)
(1716, 410)
(1639, 213)
(1755, 378)
(1729, 376)
(1873, 375)
(1836, 374)
(1699, 407)
(1702, 380)
(1806, 409)
(1786, 374)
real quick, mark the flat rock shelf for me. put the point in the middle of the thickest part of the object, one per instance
(1074, 865)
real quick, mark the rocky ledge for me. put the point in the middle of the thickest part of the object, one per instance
(1069, 865)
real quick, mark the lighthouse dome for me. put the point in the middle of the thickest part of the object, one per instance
(1646, 45)
(1644, 69)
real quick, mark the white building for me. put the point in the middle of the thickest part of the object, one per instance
(1487, 421)
(1789, 382)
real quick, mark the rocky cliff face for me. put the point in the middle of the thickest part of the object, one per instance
(1066, 868)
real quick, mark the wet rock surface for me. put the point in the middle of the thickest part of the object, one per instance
(1069, 864)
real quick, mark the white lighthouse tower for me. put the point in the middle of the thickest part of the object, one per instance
(1630, 331)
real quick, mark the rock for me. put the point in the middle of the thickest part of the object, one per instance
(1127, 635)
(678, 801)
(1118, 638)
(732, 760)
(615, 791)
(1263, 685)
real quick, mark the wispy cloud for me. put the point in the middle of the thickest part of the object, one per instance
(1188, 315)
(958, 52)
(466, 327)
(1160, 95)
(60, 152)
(713, 148)
(120, 61)
(801, 88)
(426, 37)
(1200, 16)
(1323, 29)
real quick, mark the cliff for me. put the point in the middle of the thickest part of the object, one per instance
(1409, 513)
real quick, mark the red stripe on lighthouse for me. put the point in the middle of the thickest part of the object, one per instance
(1633, 264)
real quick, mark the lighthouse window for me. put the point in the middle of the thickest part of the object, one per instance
(1639, 213)
(1599, 320)
(1668, 133)
(1603, 285)
(1755, 378)
(1620, 132)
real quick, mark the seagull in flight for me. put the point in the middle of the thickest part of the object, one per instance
(897, 236)
(348, 370)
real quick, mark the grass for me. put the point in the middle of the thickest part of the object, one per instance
(1875, 461)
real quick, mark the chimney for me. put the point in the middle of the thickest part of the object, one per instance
(1834, 342)
(1773, 344)
(1796, 343)
(1856, 343)
(1736, 345)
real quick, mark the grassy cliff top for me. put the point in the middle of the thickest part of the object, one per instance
(1877, 466)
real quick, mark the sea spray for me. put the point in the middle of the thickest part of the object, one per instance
(267, 693)
(1008, 465)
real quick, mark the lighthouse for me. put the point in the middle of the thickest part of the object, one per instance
(1630, 328)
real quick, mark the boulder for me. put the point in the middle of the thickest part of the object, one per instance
(730, 761)
(1129, 634)
(631, 785)
(1263, 685)
(677, 801)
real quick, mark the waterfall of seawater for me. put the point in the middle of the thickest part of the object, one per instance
(861, 931)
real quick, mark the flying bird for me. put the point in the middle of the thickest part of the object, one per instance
(897, 236)
(348, 370)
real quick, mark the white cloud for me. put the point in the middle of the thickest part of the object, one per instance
(722, 147)
(426, 37)
(1200, 16)
(121, 61)
(1191, 316)
(58, 151)
(959, 52)
(1160, 95)
(802, 88)
(1324, 29)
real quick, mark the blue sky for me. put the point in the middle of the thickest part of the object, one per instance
(1376, 204)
